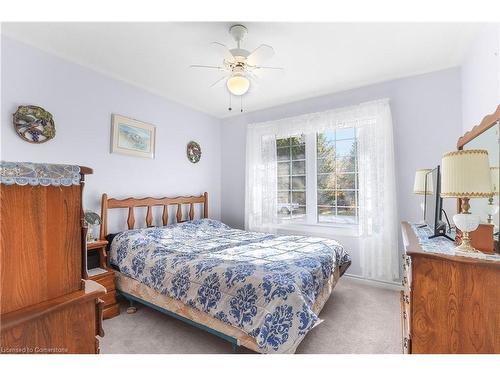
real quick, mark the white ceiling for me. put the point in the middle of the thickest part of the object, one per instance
(318, 58)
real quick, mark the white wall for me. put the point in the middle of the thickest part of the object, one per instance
(481, 77)
(427, 121)
(82, 102)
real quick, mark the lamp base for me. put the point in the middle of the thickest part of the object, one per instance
(467, 223)
(466, 246)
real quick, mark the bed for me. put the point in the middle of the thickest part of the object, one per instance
(257, 290)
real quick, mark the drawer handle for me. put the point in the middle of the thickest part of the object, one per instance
(405, 316)
(406, 299)
(405, 281)
(405, 343)
(408, 261)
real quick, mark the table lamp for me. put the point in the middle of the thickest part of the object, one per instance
(492, 209)
(465, 175)
(419, 186)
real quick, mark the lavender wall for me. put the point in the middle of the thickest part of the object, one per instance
(426, 112)
(82, 102)
(427, 122)
(481, 77)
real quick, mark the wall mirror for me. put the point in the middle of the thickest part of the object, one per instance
(486, 136)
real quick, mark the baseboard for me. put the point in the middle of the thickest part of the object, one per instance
(373, 282)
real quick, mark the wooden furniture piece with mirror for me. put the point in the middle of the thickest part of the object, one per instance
(485, 136)
(105, 276)
(449, 304)
(46, 306)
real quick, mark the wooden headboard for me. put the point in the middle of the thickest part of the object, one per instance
(149, 202)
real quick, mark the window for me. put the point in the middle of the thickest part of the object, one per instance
(336, 201)
(318, 178)
(291, 158)
(337, 173)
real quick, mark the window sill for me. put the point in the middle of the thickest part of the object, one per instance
(320, 230)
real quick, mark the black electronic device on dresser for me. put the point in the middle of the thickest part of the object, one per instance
(433, 206)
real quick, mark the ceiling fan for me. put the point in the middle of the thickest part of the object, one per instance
(240, 65)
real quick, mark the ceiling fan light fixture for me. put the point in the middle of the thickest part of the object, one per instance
(238, 85)
(239, 64)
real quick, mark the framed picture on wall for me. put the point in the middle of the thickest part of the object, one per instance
(132, 137)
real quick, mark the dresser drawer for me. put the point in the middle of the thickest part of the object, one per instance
(109, 298)
(110, 306)
(107, 280)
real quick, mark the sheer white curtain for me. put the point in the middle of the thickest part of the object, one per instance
(378, 218)
(378, 227)
(261, 181)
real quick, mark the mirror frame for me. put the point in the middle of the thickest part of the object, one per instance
(486, 123)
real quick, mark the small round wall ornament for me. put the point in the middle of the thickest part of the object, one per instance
(193, 152)
(34, 124)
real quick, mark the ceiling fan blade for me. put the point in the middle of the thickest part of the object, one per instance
(218, 81)
(261, 53)
(207, 67)
(228, 56)
(269, 67)
(264, 71)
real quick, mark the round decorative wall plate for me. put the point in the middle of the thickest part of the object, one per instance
(193, 152)
(34, 124)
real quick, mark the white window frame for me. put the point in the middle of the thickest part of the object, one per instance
(311, 225)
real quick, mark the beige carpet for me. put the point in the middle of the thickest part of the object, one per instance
(358, 318)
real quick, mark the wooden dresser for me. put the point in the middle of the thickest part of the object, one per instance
(449, 304)
(45, 305)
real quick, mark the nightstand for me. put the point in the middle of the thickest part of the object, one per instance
(104, 276)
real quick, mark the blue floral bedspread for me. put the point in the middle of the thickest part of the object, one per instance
(262, 283)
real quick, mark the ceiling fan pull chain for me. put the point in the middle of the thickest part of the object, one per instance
(229, 109)
(241, 103)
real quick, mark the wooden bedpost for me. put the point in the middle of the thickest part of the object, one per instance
(205, 205)
(104, 219)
